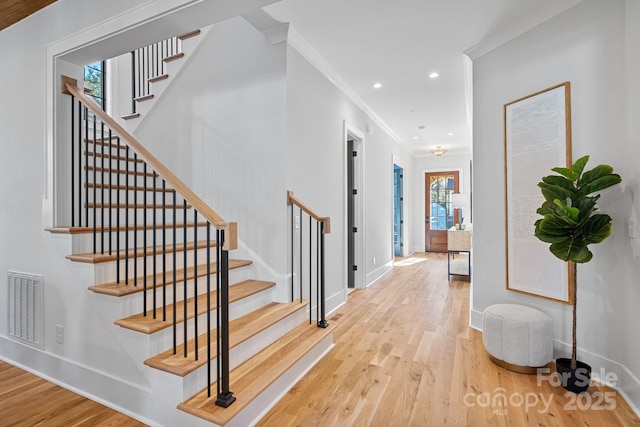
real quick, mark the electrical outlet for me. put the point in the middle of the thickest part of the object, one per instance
(59, 334)
(297, 222)
(374, 260)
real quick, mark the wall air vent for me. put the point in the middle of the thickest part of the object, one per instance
(25, 307)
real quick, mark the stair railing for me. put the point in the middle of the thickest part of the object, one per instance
(147, 63)
(99, 147)
(322, 226)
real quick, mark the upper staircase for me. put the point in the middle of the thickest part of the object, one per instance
(159, 256)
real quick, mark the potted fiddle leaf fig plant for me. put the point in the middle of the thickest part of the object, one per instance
(569, 223)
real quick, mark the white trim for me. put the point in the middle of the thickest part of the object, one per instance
(379, 272)
(520, 26)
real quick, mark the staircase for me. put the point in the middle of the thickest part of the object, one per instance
(202, 323)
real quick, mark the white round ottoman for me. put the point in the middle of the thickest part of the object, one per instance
(517, 337)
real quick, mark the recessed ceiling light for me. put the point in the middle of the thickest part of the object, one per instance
(450, 134)
(416, 137)
(377, 85)
(433, 75)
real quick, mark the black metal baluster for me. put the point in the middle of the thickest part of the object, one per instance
(225, 398)
(135, 219)
(310, 264)
(317, 268)
(218, 322)
(118, 170)
(195, 279)
(155, 232)
(175, 202)
(126, 217)
(208, 309)
(164, 252)
(184, 274)
(86, 171)
(111, 189)
(73, 146)
(102, 187)
(80, 164)
(95, 155)
(292, 265)
(322, 322)
(133, 81)
(144, 238)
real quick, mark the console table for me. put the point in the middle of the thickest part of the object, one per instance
(458, 241)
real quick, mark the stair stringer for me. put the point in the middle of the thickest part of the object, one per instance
(174, 69)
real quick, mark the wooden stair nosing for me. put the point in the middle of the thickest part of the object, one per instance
(91, 258)
(148, 325)
(107, 229)
(126, 187)
(144, 98)
(134, 286)
(130, 116)
(173, 57)
(240, 330)
(253, 377)
(189, 35)
(101, 141)
(158, 78)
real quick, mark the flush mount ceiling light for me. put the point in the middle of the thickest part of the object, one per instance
(377, 85)
(438, 152)
(433, 75)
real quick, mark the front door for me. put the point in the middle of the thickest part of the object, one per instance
(439, 213)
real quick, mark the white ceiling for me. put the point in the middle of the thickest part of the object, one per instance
(399, 43)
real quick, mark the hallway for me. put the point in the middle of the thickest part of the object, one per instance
(405, 356)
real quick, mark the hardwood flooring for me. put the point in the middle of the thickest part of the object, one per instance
(27, 400)
(405, 356)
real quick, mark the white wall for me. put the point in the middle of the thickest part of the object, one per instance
(586, 46)
(316, 111)
(222, 130)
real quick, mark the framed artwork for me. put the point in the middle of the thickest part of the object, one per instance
(537, 138)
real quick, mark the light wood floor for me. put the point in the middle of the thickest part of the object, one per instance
(404, 356)
(27, 400)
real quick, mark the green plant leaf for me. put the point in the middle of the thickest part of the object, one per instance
(578, 167)
(552, 192)
(593, 174)
(599, 184)
(566, 172)
(597, 228)
(560, 181)
(571, 250)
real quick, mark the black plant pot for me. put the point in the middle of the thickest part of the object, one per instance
(576, 381)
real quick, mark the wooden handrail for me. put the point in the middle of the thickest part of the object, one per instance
(70, 87)
(291, 199)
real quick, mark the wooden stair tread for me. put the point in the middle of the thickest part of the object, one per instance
(252, 377)
(106, 142)
(130, 116)
(121, 171)
(158, 78)
(99, 229)
(148, 325)
(121, 289)
(92, 258)
(189, 35)
(240, 330)
(127, 187)
(144, 98)
(109, 156)
(173, 57)
(91, 205)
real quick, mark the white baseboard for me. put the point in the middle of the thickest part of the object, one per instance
(379, 272)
